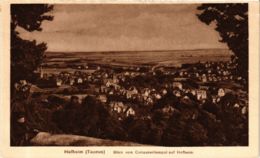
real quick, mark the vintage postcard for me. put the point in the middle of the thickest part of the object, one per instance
(129, 79)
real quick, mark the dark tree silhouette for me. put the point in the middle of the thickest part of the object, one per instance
(27, 55)
(232, 24)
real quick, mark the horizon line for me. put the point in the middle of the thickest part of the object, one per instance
(111, 51)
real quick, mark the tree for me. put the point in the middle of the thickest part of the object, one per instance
(27, 55)
(232, 24)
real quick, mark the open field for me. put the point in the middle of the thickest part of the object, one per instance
(134, 58)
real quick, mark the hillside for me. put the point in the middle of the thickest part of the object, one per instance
(47, 139)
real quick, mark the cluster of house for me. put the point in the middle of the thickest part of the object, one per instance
(111, 85)
(123, 110)
(79, 78)
(211, 72)
(149, 96)
(22, 86)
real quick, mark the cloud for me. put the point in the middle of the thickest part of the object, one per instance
(126, 27)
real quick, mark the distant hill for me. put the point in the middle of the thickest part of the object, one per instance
(164, 57)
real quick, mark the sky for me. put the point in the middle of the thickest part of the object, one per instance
(125, 27)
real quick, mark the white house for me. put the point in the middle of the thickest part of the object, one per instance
(164, 91)
(177, 85)
(215, 99)
(236, 105)
(158, 96)
(102, 98)
(106, 75)
(23, 82)
(177, 93)
(130, 112)
(168, 109)
(221, 92)
(72, 81)
(120, 107)
(109, 83)
(146, 93)
(103, 89)
(244, 110)
(204, 78)
(58, 82)
(149, 100)
(128, 94)
(193, 92)
(79, 80)
(111, 93)
(186, 97)
(115, 80)
(41, 72)
(201, 94)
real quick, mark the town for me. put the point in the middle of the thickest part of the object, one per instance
(121, 88)
(147, 93)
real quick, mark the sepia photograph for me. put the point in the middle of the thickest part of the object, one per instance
(168, 75)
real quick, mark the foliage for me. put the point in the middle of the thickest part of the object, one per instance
(26, 55)
(232, 24)
(188, 126)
